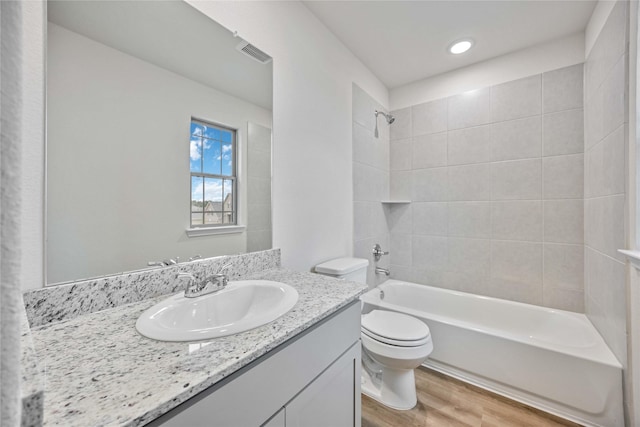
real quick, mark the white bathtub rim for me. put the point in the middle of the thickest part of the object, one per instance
(599, 352)
(603, 353)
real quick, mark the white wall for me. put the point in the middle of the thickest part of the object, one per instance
(598, 18)
(523, 63)
(313, 74)
(33, 153)
(118, 175)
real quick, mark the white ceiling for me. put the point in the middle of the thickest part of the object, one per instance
(405, 41)
(171, 35)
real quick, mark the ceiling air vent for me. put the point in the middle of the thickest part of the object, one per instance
(253, 52)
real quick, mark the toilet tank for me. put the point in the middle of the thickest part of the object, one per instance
(354, 269)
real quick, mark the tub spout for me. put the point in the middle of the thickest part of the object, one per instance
(385, 271)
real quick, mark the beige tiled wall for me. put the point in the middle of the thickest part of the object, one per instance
(496, 182)
(606, 130)
(370, 182)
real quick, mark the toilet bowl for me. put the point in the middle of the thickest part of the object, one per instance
(398, 343)
(393, 344)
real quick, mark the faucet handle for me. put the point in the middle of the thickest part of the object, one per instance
(378, 252)
(186, 276)
(224, 267)
(191, 279)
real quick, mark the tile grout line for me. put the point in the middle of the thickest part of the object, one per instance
(411, 189)
(491, 189)
(542, 194)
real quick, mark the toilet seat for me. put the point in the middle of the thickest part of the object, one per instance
(397, 343)
(395, 329)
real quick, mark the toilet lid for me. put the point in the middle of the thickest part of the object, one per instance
(395, 328)
(341, 266)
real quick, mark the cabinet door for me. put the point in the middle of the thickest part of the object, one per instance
(332, 399)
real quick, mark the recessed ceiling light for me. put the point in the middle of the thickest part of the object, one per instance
(461, 46)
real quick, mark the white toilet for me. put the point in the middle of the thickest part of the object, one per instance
(393, 344)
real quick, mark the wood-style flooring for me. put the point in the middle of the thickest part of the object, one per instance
(446, 402)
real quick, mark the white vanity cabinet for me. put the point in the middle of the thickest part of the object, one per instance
(330, 399)
(313, 379)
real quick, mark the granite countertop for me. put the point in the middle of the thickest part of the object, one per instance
(101, 371)
(32, 381)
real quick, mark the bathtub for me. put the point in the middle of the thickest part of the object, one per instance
(550, 359)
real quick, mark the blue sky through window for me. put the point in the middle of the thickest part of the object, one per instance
(210, 152)
(195, 154)
(226, 159)
(213, 133)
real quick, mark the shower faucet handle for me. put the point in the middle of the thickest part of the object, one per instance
(378, 252)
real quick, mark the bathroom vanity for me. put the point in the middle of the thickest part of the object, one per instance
(301, 369)
(311, 380)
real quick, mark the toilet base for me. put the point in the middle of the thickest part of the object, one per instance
(396, 389)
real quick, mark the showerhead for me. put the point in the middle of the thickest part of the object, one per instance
(388, 117)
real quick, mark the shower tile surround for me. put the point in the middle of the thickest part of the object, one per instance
(495, 177)
(100, 371)
(371, 181)
(606, 151)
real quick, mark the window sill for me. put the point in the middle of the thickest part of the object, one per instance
(632, 256)
(210, 231)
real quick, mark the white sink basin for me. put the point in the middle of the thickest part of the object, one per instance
(241, 306)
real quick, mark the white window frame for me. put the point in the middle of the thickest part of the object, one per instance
(223, 228)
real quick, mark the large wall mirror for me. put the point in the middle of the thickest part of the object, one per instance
(158, 138)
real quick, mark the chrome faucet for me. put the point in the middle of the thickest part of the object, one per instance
(211, 284)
